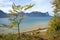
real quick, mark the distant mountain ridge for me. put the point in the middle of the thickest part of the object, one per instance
(38, 14)
(35, 14)
(31, 14)
(3, 14)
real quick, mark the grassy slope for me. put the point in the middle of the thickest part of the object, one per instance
(34, 36)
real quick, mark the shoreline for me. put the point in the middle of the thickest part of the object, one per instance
(28, 31)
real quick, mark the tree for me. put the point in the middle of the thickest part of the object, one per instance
(54, 24)
(14, 16)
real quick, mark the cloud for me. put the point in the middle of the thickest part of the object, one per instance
(1, 1)
(40, 5)
(5, 3)
(6, 9)
(37, 0)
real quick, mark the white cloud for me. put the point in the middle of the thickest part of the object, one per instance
(37, 1)
(1, 1)
(5, 3)
(6, 9)
(40, 5)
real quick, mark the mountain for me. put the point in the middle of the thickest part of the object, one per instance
(31, 14)
(35, 14)
(3, 14)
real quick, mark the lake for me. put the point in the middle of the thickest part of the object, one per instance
(26, 24)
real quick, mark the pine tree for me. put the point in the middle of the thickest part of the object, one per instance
(54, 23)
(15, 18)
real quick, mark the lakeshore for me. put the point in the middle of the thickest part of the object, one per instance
(26, 25)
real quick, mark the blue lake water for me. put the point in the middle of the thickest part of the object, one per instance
(28, 23)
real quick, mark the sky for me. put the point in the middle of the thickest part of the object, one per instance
(40, 5)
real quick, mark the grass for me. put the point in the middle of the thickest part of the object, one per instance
(24, 36)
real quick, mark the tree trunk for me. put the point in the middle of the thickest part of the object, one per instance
(18, 32)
